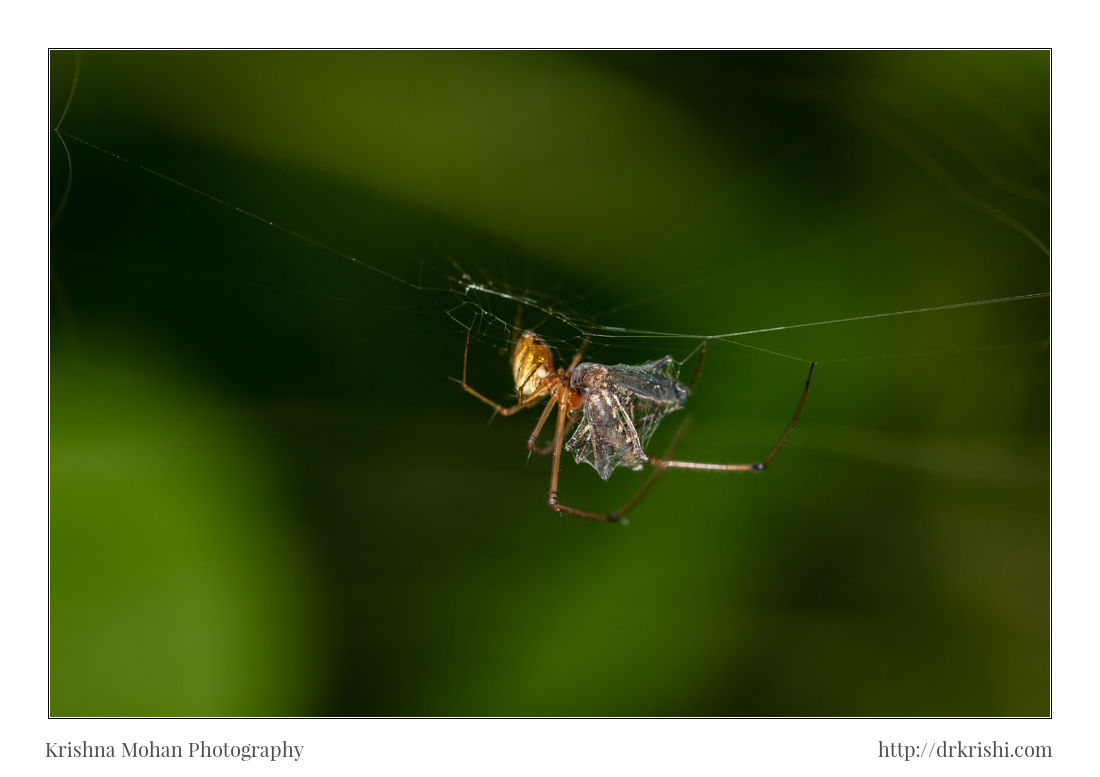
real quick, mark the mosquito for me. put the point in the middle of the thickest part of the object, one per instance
(616, 409)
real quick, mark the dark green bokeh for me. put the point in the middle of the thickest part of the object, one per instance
(269, 498)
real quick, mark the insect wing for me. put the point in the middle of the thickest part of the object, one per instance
(650, 392)
(652, 382)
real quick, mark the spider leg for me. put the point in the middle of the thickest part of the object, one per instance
(699, 366)
(552, 500)
(580, 352)
(543, 450)
(505, 411)
(515, 324)
(759, 466)
(538, 427)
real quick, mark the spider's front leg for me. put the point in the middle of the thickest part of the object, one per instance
(544, 450)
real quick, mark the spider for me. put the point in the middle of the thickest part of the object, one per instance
(617, 407)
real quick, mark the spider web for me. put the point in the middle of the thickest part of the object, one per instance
(636, 313)
(480, 302)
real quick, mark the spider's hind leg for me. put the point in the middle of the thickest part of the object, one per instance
(758, 466)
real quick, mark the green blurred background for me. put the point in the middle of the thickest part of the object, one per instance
(270, 497)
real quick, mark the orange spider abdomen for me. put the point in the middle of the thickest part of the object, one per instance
(532, 364)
